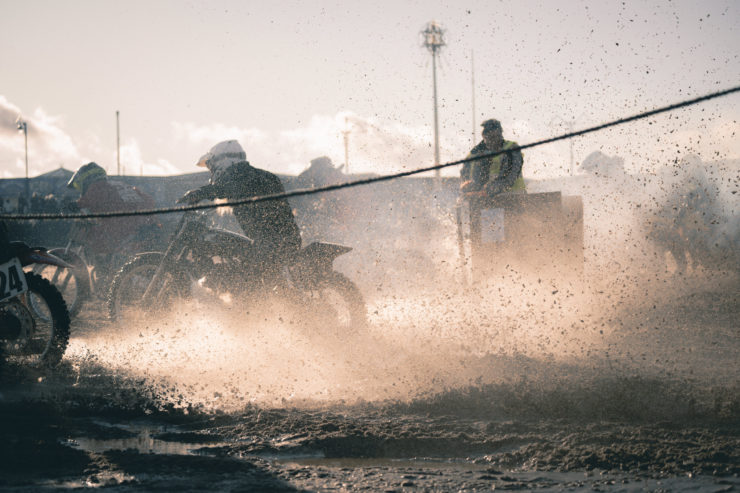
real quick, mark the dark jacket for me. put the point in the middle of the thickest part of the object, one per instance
(5, 253)
(270, 224)
(109, 235)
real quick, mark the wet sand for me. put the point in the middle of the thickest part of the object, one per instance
(644, 398)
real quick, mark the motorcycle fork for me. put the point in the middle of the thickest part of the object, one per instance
(156, 286)
(175, 250)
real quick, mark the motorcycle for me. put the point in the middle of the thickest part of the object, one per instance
(84, 279)
(34, 320)
(77, 279)
(219, 260)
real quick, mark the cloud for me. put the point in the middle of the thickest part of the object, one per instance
(49, 145)
(210, 135)
(133, 163)
(374, 146)
(388, 146)
(8, 115)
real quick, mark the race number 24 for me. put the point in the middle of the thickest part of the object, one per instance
(12, 279)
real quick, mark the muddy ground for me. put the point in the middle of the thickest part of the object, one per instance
(621, 386)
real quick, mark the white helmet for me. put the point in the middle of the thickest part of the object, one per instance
(227, 151)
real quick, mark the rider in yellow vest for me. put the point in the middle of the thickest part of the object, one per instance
(493, 175)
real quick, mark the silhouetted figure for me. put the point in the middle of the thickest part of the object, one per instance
(320, 173)
(104, 237)
(269, 224)
(684, 222)
(490, 176)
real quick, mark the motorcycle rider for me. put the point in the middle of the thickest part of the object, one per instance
(685, 223)
(4, 243)
(108, 236)
(492, 175)
(270, 224)
(10, 326)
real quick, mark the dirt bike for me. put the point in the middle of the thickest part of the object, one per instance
(34, 321)
(221, 261)
(76, 280)
(84, 279)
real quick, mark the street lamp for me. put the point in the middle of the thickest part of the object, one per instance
(433, 40)
(345, 134)
(570, 126)
(23, 126)
(118, 146)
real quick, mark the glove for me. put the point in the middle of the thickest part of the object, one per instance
(476, 194)
(466, 186)
(191, 197)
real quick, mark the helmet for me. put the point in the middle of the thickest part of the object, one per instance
(322, 162)
(491, 124)
(227, 150)
(87, 174)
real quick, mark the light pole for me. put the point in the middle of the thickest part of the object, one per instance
(472, 91)
(118, 146)
(570, 126)
(433, 37)
(23, 126)
(345, 134)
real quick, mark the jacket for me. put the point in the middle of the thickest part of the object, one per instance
(495, 174)
(270, 224)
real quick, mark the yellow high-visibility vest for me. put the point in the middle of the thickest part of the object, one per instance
(495, 163)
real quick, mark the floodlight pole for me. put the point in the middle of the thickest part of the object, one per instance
(472, 82)
(345, 134)
(570, 126)
(23, 126)
(436, 116)
(434, 41)
(118, 146)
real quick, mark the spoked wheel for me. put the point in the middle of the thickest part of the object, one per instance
(42, 316)
(73, 284)
(126, 297)
(337, 301)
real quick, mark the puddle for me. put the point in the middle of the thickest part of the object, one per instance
(456, 465)
(426, 472)
(144, 441)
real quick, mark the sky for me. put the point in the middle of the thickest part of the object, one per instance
(287, 78)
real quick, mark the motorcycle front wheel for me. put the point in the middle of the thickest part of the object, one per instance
(73, 284)
(126, 296)
(43, 320)
(335, 300)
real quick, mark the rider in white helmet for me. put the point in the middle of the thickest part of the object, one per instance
(269, 224)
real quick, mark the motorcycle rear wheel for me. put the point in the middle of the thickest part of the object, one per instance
(44, 319)
(337, 300)
(73, 284)
(125, 298)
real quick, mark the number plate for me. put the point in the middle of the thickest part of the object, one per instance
(12, 279)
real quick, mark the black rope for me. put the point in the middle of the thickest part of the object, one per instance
(376, 179)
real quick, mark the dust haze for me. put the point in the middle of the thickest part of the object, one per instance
(430, 333)
(618, 370)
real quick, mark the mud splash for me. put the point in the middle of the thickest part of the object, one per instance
(622, 384)
(568, 341)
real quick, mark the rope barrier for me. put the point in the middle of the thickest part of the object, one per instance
(376, 179)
